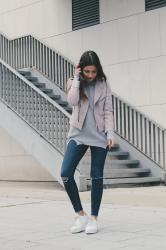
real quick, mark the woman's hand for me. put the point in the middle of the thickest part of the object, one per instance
(77, 70)
(110, 143)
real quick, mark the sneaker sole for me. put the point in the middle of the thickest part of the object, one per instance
(78, 232)
(91, 232)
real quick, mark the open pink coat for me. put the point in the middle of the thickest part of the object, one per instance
(103, 111)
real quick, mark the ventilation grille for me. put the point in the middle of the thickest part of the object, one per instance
(154, 4)
(85, 13)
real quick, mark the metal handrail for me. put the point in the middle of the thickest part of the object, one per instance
(44, 115)
(27, 51)
(140, 131)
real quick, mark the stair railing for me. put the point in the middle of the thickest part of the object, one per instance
(28, 52)
(140, 131)
(44, 115)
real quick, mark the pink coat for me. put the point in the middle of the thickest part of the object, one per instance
(103, 111)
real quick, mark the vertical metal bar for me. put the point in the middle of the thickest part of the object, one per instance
(44, 59)
(52, 66)
(159, 145)
(160, 148)
(16, 55)
(31, 52)
(60, 130)
(62, 73)
(32, 107)
(143, 135)
(134, 128)
(36, 109)
(51, 63)
(25, 100)
(7, 50)
(164, 149)
(127, 121)
(51, 124)
(139, 130)
(58, 70)
(56, 127)
(118, 117)
(65, 75)
(152, 141)
(46, 62)
(64, 132)
(114, 109)
(146, 136)
(21, 57)
(122, 120)
(156, 152)
(40, 56)
(131, 124)
(116, 113)
(37, 54)
(12, 45)
(3, 49)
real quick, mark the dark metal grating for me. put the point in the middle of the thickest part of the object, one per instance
(154, 4)
(85, 13)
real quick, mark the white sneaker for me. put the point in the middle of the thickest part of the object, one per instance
(91, 227)
(80, 224)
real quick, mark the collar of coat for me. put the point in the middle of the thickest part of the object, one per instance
(99, 86)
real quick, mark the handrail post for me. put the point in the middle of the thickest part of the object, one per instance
(164, 157)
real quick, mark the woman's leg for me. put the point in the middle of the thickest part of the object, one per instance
(98, 156)
(73, 155)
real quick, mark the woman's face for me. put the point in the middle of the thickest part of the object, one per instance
(89, 73)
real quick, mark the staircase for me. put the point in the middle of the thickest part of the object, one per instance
(121, 171)
(35, 92)
(42, 87)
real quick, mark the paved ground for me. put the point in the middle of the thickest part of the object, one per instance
(38, 217)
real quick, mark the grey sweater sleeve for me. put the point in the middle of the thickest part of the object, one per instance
(110, 135)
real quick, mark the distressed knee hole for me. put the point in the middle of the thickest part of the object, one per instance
(96, 178)
(65, 179)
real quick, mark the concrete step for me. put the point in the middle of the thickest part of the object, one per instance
(24, 73)
(46, 90)
(54, 97)
(113, 155)
(129, 182)
(128, 163)
(40, 84)
(62, 103)
(118, 154)
(122, 173)
(117, 163)
(68, 109)
(31, 78)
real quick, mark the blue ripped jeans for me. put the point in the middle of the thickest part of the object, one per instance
(73, 155)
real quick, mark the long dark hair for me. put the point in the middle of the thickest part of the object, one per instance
(89, 58)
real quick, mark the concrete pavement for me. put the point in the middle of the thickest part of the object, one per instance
(36, 216)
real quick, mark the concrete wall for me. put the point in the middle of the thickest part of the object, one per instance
(17, 164)
(16, 161)
(130, 42)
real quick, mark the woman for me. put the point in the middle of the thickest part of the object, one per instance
(91, 125)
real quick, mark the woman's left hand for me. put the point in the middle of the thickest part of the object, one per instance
(110, 143)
